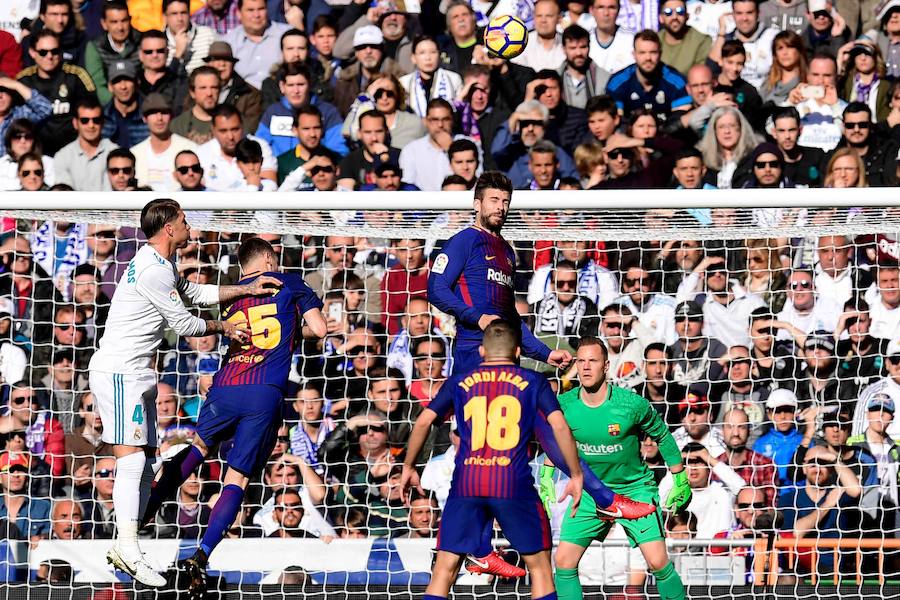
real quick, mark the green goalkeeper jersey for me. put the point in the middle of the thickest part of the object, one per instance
(608, 437)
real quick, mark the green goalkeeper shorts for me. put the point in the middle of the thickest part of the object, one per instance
(586, 526)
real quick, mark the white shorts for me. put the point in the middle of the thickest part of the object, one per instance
(127, 407)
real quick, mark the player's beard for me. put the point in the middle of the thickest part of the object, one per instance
(486, 223)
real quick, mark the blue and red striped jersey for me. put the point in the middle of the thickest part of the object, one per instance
(496, 407)
(274, 323)
(474, 275)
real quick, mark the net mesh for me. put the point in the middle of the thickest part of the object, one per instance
(803, 265)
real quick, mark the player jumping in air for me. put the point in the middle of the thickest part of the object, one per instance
(496, 406)
(245, 399)
(472, 279)
(607, 422)
(122, 375)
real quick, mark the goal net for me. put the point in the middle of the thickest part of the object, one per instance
(763, 327)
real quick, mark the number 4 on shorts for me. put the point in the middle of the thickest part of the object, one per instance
(138, 415)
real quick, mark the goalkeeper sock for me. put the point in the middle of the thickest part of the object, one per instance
(151, 466)
(668, 583)
(174, 473)
(222, 516)
(127, 501)
(601, 494)
(568, 586)
(550, 596)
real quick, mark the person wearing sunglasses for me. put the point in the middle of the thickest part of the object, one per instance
(624, 344)
(889, 385)
(120, 170)
(18, 102)
(44, 439)
(821, 505)
(188, 172)
(156, 75)
(61, 83)
(767, 171)
(82, 163)
(563, 312)
(368, 48)
(806, 309)
(878, 152)
(21, 138)
(880, 440)
(31, 173)
(754, 517)
(682, 45)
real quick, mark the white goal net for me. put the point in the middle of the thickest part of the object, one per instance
(764, 328)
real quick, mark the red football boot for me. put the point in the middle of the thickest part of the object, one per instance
(493, 564)
(623, 507)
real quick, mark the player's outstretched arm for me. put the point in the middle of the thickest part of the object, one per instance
(235, 331)
(417, 437)
(563, 436)
(315, 322)
(264, 285)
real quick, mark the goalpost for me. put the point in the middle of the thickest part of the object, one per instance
(665, 231)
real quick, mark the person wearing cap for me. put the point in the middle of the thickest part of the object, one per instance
(878, 152)
(695, 355)
(696, 423)
(276, 123)
(887, 37)
(368, 48)
(188, 42)
(805, 309)
(391, 18)
(767, 171)
(61, 83)
(888, 386)
(30, 515)
(156, 74)
(817, 384)
(885, 449)
(155, 155)
(235, 89)
(118, 42)
(255, 42)
(62, 385)
(827, 30)
(781, 441)
(122, 122)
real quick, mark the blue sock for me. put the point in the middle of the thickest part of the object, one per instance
(222, 516)
(433, 597)
(550, 596)
(174, 473)
(487, 536)
(601, 494)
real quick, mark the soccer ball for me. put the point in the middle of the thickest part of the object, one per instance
(505, 36)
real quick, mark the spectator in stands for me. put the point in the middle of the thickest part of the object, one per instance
(314, 427)
(757, 471)
(712, 499)
(56, 16)
(827, 30)
(788, 67)
(756, 37)
(45, 437)
(682, 46)
(188, 44)
(19, 103)
(255, 42)
(743, 391)
(429, 354)
(188, 172)
(20, 139)
(727, 306)
(339, 256)
(276, 124)
(649, 82)
(695, 355)
(388, 511)
(780, 442)
(187, 514)
(220, 15)
(816, 507)
(218, 155)
(84, 445)
(818, 384)
(204, 87)
(99, 508)
(120, 170)
(359, 165)
(61, 387)
(862, 356)
(863, 71)
(444, 84)
(288, 515)
(386, 392)
(67, 520)
(31, 173)
(544, 49)
(803, 165)
(836, 277)
(877, 152)
(422, 521)
(611, 45)
(157, 75)
(82, 163)
(818, 104)
(625, 340)
(307, 127)
(744, 94)
(346, 368)
(765, 273)
(368, 48)
(180, 366)
(50, 77)
(603, 118)
(424, 161)
(767, 170)
(464, 158)
(728, 139)
(582, 78)
(406, 278)
(525, 127)
(884, 300)
(155, 155)
(119, 42)
(595, 282)
(287, 472)
(30, 515)
(351, 523)
(696, 424)
(235, 90)
(542, 167)
(806, 309)
(888, 385)
(30, 289)
(878, 442)
(562, 312)
(654, 310)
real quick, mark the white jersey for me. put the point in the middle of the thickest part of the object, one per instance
(146, 299)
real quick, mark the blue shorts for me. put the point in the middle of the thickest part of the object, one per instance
(249, 413)
(466, 357)
(523, 521)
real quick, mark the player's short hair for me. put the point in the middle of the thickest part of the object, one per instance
(199, 72)
(492, 180)
(120, 153)
(283, 492)
(308, 110)
(252, 248)
(647, 35)
(500, 339)
(156, 214)
(602, 104)
(589, 340)
(462, 145)
(658, 347)
(575, 33)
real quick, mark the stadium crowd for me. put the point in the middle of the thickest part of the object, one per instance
(776, 362)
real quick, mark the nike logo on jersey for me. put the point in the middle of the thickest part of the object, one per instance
(490, 256)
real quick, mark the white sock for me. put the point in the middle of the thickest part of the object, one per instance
(127, 501)
(151, 467)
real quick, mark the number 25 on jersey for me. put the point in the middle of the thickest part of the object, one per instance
(265, 328)
(497, 425)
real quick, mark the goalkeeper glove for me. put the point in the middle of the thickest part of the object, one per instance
(680, 494)
(547, 487)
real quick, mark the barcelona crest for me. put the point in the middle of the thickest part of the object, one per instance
(614, 429)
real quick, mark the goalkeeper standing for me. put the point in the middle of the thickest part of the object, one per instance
(607, 422)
